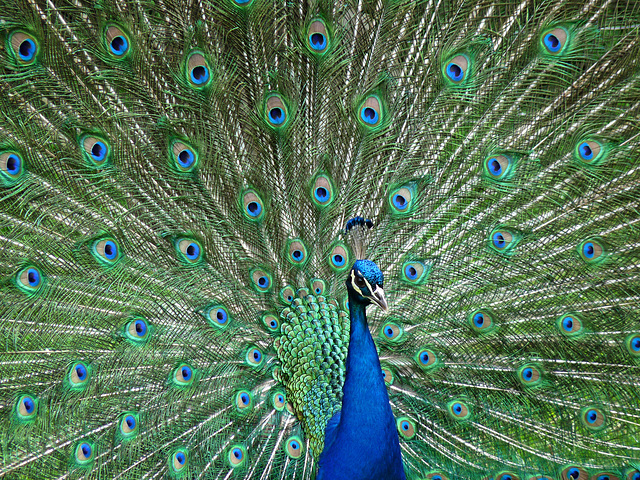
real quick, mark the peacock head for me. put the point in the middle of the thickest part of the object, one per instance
(365, 284)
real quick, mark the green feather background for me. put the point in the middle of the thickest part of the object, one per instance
(174, 178)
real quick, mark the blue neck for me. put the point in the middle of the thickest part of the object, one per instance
(365, 401)
(364, 444)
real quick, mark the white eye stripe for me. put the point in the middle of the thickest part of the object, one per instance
(355, 287)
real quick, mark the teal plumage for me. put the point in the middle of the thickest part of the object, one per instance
(174, 181)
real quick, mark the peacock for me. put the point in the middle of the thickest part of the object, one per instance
(315, 239)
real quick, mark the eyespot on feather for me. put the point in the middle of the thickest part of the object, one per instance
(554, 41)
(262, 280)
(481, 321)
(632, 474)
(271, 322)
(318, 37)
(503, 240)
(574, 472)
(322, 191)
(391, 331)
(498, 167)
(297, 252)
(339, 258)
(128, 426)
(237, 456)
(24, 47)
(117, 42)
(84, 453)
(276, 112)
(244, 401)
(530, 375)
(183, 375)
(459, 410)
(279, 400)
(178, 461)
(184, 158)
(507, 476)
(415, 272)
(570, 325)
(387, 375)
(78, 375)
(590, 152)
(217, 316)
(189, 251)
(198, 71)
(287, 294)
(437, 476)
(426, 359)
(370, 112)
(96, 151)
(593, 418)
(318, 286)
(406, 427)
(605, 475)
(401, 200)
(254, 356)
(252, 205)
(29, 280)
(632, 343)
(12, 168)
(106, 251)
(456, 68)
(26, 408)
(592, 251)
(138, 330)
(293, 447)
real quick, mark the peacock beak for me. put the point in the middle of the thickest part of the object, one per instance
(378, 298)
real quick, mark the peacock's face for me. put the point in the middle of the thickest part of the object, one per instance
(365, 284)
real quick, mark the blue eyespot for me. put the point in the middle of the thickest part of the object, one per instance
(400, 202)
(573, 473)
(263, 281)
(13, 164)
(244, 398)
(254, 209)
(567, 324)
(193, 251)
(318, 41)
(527, 373)
(455, 72)
(237, 453)
(119, 45)
(498, 240)
(33, 277)
(494, 166)
(81, 372)
(338, 260)
(321, 194)
(186, 373)
(257, 355)
(636, 476)
(552, 42)
(29, 405)
(110, 250)
(588, 249)
(99, 151)
(221, 316)
(388, 332)
(186, 158)
(293, 448)
(411, 272)
(199, 74)
(276, 115)
(585, 151)
(635, 345)
(457, 408)
(84, 453)
(27, 50)
(424, 358)
(369, 115)
(130, 421)
(478, 320)
(591, 416)
(86, 449)
(181, 458)
(254, 356)
(140, 328)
